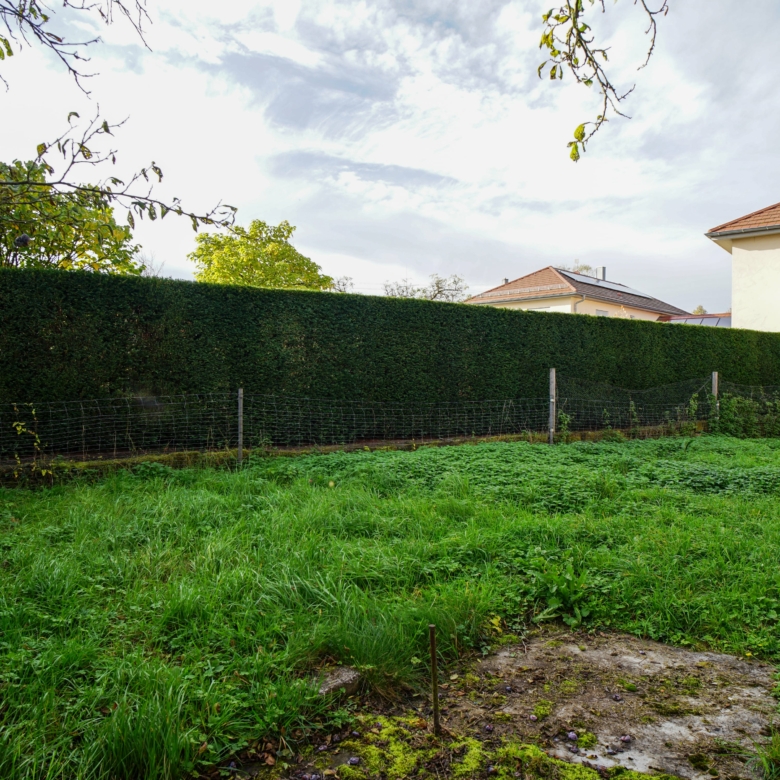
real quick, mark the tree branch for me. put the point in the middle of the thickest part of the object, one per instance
(77, 149)
(28, 21)
(572, 47)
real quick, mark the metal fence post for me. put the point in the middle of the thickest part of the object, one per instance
(715, 392)
(552, 405)
(240, 457)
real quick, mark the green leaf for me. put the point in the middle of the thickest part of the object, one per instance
(72, 114)
(579, 133)
(575, 152)
(41, 149)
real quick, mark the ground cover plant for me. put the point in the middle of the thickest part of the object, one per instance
(157, 621)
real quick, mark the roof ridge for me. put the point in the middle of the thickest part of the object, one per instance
(720, 228)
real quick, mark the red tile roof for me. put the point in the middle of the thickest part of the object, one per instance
(768, 217)
(552, 283)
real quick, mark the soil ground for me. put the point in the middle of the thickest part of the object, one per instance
(687, 714)
(563, 704)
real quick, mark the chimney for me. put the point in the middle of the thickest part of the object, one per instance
(506, 281)
(601, 273)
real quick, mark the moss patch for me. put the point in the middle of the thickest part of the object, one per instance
(543, 709)
(470, 758)
(569, 687)
(395, 748)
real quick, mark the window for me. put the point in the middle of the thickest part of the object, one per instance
(602, 313)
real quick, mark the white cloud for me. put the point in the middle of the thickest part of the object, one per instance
(408, 138)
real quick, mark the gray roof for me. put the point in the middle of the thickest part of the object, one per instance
(617, 293)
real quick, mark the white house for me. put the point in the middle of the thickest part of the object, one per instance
(754, 244)
(558, 290)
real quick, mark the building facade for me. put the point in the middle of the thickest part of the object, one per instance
(558, 290)
(754, 244)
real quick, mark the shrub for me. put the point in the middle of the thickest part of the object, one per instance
(71, 335)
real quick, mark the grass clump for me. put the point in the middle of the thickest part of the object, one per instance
(152, 624)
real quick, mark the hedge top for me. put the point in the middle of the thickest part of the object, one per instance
(69, 335)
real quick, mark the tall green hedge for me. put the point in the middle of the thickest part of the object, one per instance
(66, 335)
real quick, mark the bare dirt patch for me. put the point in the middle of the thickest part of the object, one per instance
(615, 700)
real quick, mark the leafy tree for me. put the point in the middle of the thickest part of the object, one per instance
(699, 310)
(441, 288)
(571, 46)
(74, 230)
(259, 257)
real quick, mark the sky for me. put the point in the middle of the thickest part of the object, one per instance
(411, 137)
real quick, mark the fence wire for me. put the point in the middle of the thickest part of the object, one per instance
(748, 411)
(593, 406)
(761, 393)
(120, 427)
(117, 427)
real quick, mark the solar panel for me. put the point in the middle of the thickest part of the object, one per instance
(600, 283)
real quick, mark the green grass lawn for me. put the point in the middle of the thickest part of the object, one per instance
(158, 621)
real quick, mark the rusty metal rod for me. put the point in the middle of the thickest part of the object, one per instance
(434, 680)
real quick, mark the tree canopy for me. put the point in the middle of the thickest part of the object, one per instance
(49, 229)
(261, 256)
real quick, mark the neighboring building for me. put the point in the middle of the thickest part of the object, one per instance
(754, 244)
(553, 289)
(713, 320)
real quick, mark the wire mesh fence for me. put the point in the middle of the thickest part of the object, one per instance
(116, 427)
(120, 427)
(748, 411)
(593, 406)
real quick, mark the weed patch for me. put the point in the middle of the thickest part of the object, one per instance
(157, 621)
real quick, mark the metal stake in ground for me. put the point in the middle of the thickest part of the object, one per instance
(434, 680)
(240, 457)
(553, 404)
(715, 391)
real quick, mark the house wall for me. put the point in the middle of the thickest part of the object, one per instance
(590, 306)
(575, 304)
(755, 280)
(559, 304)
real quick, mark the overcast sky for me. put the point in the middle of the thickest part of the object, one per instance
(413, 137)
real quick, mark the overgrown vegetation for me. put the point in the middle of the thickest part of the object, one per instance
(748, 417)
(160, 620)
